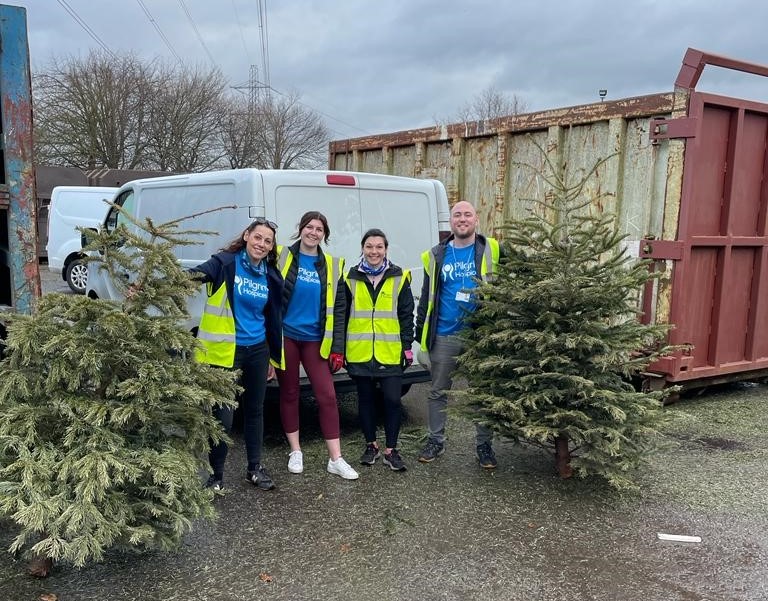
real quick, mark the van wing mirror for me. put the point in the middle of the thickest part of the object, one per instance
(86, 236)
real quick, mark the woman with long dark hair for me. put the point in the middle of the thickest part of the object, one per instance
(313, 327)
(241, 328)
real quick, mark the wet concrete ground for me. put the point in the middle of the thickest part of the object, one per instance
(450, 531)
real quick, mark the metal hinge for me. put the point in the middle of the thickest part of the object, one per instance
(665, 129)
(661, 249)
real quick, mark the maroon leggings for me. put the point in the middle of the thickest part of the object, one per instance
(308, 354)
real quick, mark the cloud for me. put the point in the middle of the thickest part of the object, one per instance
(373, 67)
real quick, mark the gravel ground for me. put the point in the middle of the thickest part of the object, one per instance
(451, 531)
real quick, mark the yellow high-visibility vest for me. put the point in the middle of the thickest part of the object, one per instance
(373, 330)
(333, 271)
(217, 329)
(488, 267)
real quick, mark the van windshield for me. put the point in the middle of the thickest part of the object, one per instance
(115, 217)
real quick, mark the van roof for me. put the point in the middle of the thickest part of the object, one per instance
(338, 178)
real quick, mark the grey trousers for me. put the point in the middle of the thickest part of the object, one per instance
(442, 357)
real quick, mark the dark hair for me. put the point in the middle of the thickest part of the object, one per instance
(374, 232)
(309, 216)
(238, 244)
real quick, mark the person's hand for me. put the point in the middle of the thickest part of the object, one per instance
(270, 372)
(407, 358)
(336, 362)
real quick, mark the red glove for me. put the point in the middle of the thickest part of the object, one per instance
(408, 358)
(336, 362)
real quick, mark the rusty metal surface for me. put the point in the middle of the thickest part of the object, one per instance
(16, 118)
(639, 106)
(694, 62)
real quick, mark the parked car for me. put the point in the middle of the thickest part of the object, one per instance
(72, 207)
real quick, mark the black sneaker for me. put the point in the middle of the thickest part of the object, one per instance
(486, 456)
(260, 478)
(217, 484)
(394, 461)
(370, 455)
(431, 451)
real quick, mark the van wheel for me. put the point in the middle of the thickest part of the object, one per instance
(77, 276)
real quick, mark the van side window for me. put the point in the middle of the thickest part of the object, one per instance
(114, 218)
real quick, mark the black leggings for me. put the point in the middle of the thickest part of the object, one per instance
(367, 393)
(254, 362)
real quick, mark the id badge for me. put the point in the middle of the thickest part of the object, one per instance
(462, 297)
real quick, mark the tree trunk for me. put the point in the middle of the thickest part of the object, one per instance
(40, 566)
(563, 457)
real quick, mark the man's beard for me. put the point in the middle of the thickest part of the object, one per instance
(464, 236)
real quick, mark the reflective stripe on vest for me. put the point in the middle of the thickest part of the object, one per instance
(373, 330)
(217, 330)
(428, 259)
(333, 270)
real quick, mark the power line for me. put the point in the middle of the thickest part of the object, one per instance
(264, 37)
(252, 83)
(240, 28)
(84, 25)
(159, 31)
(197, 33)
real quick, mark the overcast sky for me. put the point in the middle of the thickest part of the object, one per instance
(387, 65)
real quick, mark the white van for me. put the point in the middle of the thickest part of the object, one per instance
(72, 207)
(413, 213)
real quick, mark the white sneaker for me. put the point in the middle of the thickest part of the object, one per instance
(342, 468)
(296, 462)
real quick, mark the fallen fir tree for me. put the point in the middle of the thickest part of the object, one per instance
(105, 417)
(557, 339)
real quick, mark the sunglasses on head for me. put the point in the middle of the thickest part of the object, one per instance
(263, 221)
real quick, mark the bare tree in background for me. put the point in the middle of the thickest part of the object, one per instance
(184, 119)
(92, 112)
(114, 111)
(238, 124)
(491, 103)
(274, 132)
(289, 136)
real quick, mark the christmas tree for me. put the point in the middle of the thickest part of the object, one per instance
(105, 417)
(557, 339)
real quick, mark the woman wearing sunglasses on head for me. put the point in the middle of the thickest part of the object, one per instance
(241, 328)
(313, 328)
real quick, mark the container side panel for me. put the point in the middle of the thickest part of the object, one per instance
(712, 146)
(372, 162)
(525, 166)
(759, 333)
(439, 165)
(585, 146)
(403, 161)
(698, 328)
(642, 192)
(745, 201)
(734, 308)
(480, 171)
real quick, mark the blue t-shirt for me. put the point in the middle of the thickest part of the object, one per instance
(301, 319)
(250, 291)
(458, 275)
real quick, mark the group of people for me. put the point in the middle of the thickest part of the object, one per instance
(272, 309)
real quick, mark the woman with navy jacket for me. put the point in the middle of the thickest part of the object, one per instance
(241, 328)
